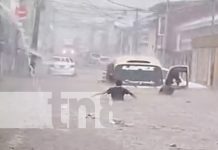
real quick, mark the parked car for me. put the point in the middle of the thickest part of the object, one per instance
(94, 58)
(104, 60)
(62, 66)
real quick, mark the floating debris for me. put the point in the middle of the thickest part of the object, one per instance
(90, 116)
(173, 145)
(121, 123)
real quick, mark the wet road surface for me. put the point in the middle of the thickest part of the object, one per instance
(185, 121)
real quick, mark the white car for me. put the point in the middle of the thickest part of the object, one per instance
(191, 85)
(62, 66)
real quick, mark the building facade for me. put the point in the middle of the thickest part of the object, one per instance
(188, 22)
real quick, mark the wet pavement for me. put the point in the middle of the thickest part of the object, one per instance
(186, 120)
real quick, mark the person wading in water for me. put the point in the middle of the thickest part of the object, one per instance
(117, 92)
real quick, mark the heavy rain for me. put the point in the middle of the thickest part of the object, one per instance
(108, 74)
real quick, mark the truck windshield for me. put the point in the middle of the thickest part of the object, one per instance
(139, 74)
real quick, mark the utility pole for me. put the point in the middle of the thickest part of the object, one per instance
(136, 34)
(213, 8)
(52, 47)
(92, 37)
(166, 31)
(212, 53)
(34, 44)
(135, 41)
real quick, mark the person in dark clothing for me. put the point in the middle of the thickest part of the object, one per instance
(32, 64)
(167, 88)
(173, 76)
(117, 92)
(177, 78)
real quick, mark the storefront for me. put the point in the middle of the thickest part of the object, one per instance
(205, 60)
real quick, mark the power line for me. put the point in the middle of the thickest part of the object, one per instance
(130, 7)
(98, 9)
(85, 9)
(111, 9)
(136, 23)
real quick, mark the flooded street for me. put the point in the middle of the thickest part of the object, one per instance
(186, 120)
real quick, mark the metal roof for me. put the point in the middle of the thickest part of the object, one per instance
(140, 60)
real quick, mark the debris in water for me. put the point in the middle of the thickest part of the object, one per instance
(173, 145)
(11, 148)
(121, 123)
(90, 116)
